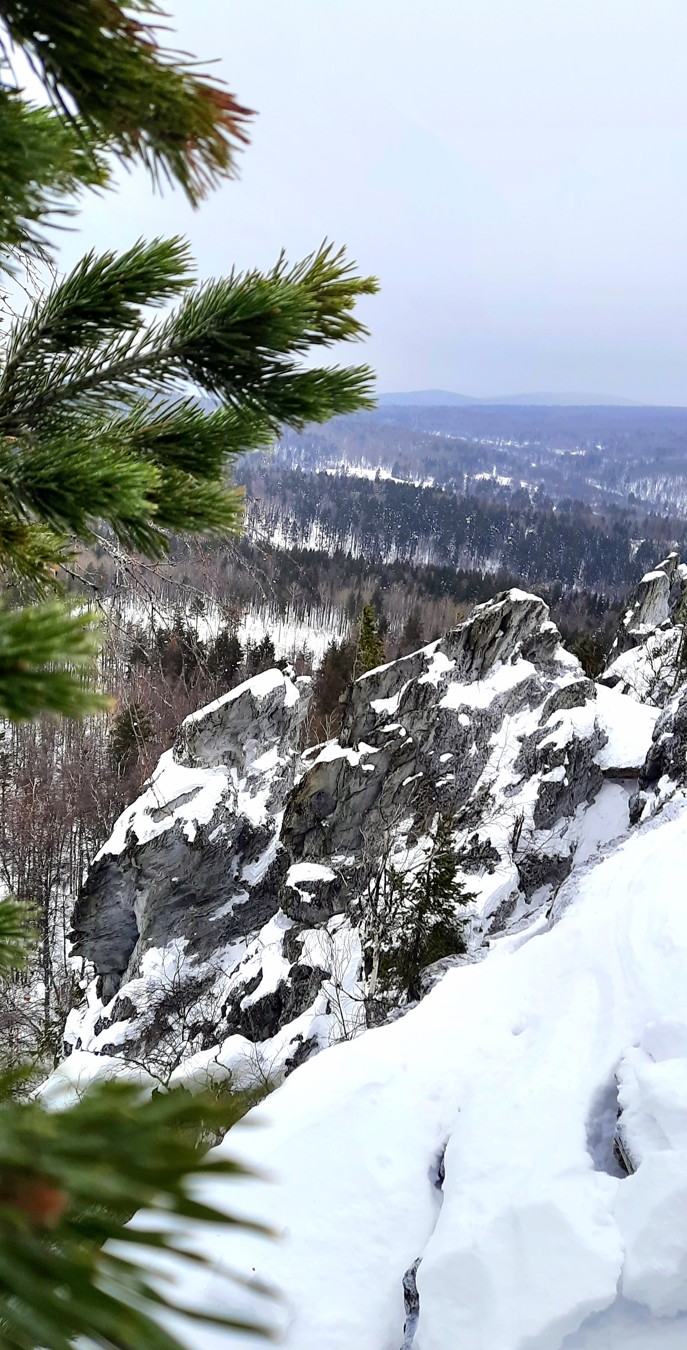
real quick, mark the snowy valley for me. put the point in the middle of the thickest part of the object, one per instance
(498, 1158)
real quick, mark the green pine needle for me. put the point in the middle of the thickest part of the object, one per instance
(103, 58)
(46, 655)
(70, 1181)
(44, 162)
(17, 935)
(103, 295)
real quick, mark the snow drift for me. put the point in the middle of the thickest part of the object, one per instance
(477, 1136)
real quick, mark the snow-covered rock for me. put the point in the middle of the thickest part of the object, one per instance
(648, 651)
(222, 917)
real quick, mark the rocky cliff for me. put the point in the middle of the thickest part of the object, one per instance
(649, 656)
(226, 918)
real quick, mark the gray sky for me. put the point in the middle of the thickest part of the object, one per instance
(515, 172)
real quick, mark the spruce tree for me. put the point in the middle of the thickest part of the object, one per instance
(131, 728)
(225, 656)
(111, 420)
(330, 684)
(429, 924)
(411, 637)
(370, 651)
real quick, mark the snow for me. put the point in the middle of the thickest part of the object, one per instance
(174, 794)
(604, 822)
(656, 575)
(518, 596)
(652, 1091)
(576, 721)
(388, 706)
(260, 686)
(644, 672)
(629, 726)
(532, 1245)
(291, 629)
(332, 750)
(177, 794)
(273, 963)
(481, 693)
(308, 871)
(439, 665)
(68, 1082)
(650, 1214)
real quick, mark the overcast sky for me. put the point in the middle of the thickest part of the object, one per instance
(514, 171)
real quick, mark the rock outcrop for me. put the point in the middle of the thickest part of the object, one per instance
(225, 918)
(648, 656)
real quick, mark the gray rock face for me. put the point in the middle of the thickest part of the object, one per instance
(228, 909)
(665, 768)
(169, 876)
(648, 657)
(247, 723)
(649, 606)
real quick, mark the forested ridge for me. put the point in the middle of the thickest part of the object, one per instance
(386, 521)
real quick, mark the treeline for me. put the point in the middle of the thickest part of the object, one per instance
(621, 461)
(383, 521)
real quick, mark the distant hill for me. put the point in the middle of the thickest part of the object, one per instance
(432, 398)
(441, 398)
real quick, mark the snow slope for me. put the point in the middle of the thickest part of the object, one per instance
(503, 1083)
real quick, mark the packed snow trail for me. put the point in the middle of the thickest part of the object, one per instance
(532, 1248)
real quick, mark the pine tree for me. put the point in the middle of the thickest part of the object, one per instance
(370, 651)
(225, 656)
(261, 657)
(97, 424)
(109, 419)
(331, 681)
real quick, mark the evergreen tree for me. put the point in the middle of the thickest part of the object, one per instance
(329, 687)
(370, 652)
(429, 926)
(411, 637)
(225, 656)
(590, 651)
(130, 730)
(261, 657)
(181, 651)
(110, 418)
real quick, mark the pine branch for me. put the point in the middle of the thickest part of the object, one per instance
(102, 60)
(185, 436)
(102, 296)
(70, 1181)
(71, 480)
(31, 554)
(45, 160)
(184, 503)
(45, 653)
(237, 338)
